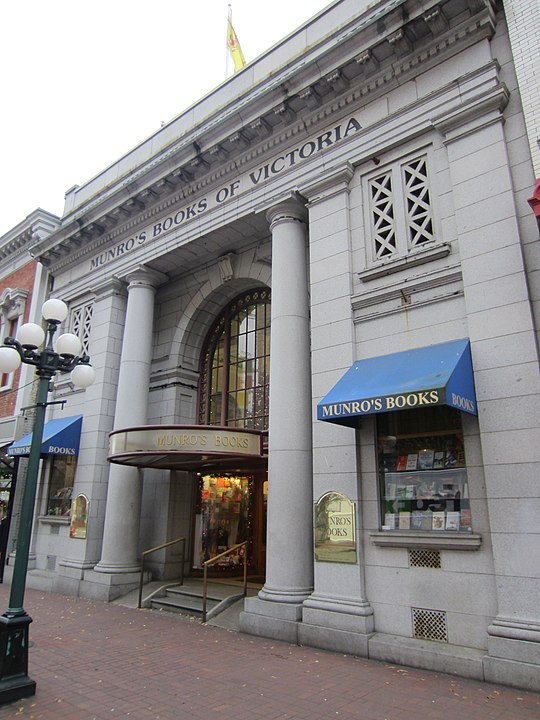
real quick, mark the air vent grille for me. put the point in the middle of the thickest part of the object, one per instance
(425, 558)
(429, 625)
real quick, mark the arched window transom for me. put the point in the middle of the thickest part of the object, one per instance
(235, 370)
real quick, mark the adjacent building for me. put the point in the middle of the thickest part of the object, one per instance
(23, 285)
(312, 307)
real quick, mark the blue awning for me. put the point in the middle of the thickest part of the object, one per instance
(434, 375)
(60, 437)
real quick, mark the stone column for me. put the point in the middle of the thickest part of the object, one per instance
(337, 616)
(289, 566)
(108, 322)
(122, 515)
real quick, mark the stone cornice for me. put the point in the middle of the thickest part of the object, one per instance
(36, 227)
(174, 376)
(410, 292)
(479, 112)
(13, 302)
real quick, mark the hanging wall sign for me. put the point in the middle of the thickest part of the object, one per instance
(335, 529)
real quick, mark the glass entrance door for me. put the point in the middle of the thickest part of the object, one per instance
(223, 519)
(230, 509)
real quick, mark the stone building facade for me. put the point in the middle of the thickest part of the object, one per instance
(310, 303)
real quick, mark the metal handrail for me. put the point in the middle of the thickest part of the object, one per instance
(206, 563)
(155, 549)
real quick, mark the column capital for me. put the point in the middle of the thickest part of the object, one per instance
(290, 210)
(472, 116)
(110, 286)
(332, 183)
(142, 276)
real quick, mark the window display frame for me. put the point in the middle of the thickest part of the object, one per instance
(422, 477)
(59, 505)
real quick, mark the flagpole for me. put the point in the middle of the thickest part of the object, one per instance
(229, 20)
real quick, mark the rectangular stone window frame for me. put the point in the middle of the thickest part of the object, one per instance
(9, 329)
(58, 479)
(399, 489)
(402, 229)
(79, 323)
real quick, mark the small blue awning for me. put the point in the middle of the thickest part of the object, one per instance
(434, 375)
(60, 437)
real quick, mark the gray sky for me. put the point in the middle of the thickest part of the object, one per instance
(81, 83)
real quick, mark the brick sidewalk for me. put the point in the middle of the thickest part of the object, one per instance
(97, 661)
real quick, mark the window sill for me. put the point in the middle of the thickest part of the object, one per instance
(438, 540)
(419, 257)
(54, 519)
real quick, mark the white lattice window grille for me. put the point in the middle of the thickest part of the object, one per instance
(382, 216)
(400, 208)
(419, 219)
(81, 324)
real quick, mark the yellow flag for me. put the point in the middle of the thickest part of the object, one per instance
(234, 47)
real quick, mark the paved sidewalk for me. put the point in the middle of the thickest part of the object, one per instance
(97, 661)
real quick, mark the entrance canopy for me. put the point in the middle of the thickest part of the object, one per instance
(187, 447)
(60, 437)
(434, 375)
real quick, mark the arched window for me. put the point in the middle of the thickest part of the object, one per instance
(235, 370)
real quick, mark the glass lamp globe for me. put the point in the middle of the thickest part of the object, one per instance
(83, 375)
(9, 359)
(54, 309)
(68, 344)
(31, 335)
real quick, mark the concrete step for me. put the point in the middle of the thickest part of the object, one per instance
(183, 604)
(196, 593)
(187, 599)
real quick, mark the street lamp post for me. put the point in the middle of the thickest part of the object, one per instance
(63, 357)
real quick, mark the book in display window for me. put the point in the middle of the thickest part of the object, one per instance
(422, 471)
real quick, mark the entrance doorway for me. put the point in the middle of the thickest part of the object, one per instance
(230, 508)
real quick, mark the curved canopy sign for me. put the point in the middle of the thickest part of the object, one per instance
(184, 447)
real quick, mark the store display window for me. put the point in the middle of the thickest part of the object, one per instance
(223, 518)
(422, 471)
(61, 479)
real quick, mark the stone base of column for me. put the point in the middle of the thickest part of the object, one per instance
(291, 596)
(337, 624)
(119, 569)
(108, 586)
(267, 618)
(513, 654)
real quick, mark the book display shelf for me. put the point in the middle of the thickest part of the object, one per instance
(423, 475)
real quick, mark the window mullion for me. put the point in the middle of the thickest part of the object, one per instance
(225, 370)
